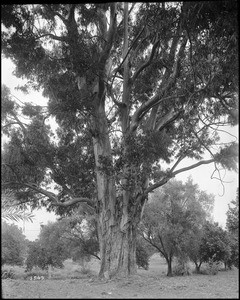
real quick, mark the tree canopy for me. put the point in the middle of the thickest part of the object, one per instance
(173, 215)
(132, 87)
(233, 216)
(13, 245)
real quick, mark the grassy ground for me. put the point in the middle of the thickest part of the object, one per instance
(79, 282)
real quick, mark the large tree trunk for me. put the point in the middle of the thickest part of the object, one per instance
(118, 250)
(117, 216)
(117, 220)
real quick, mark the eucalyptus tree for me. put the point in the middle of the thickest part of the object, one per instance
(132, 86)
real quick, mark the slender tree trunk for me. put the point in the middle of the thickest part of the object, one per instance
(169, 271)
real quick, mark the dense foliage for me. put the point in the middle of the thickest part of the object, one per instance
(43, 257)
(132, 87)
(233, 229)
(173, 216)
(233, 216)
(215, 243)
(13, 245)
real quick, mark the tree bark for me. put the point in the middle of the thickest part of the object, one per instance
(118, 250)
(116, 224)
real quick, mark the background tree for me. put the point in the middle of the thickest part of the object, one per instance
(215, 243)
(233, 229)
(49, 249)
(13, 245)
(79, 234)
(131, 86)
(192, 247)
(172, 215)
(43, 257)
(233, 216)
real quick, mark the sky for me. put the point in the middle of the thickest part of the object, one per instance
(201, 175)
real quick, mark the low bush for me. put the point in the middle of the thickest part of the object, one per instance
(211, 268)
(85, 271)
(8, 274)
(181, 269)
(82, 273)
(36, 275)
(18, 271)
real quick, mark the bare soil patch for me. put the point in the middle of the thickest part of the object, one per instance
(146, 284)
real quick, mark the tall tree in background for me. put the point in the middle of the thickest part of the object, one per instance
(233, 229)
(131, 86)
(233, 216)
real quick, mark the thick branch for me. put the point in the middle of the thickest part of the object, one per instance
(126, 55)
(70, 16)
(55, 13)
(50, 195)
(166, 119)
(156, 185)
(145, 107)
(147, 63)
(54, 37)
(19, 122)
(177, 162)
(173, 174)
(53, 198)
(74, 201)
(203, 162)
(110, 36)
(9, 124)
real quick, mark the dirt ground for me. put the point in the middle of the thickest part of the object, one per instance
(146, 284)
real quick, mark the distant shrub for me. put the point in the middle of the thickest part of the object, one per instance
(37, 275)
(181, 268)
(85, 271)
(82, 273)
(212, 268)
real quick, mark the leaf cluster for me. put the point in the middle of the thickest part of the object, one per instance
(228, 157)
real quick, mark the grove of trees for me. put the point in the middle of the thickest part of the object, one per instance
(135, 89)
(233, 229)
(174, 215)
(176, 224)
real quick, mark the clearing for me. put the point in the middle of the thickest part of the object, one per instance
(146, 284)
